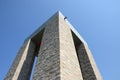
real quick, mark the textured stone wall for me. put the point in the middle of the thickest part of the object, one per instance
(86, 68)
(87, 64)
(20, 69)
(69, 65)
(13, 67)
(48, 60)
(62, 56)
(28, 63)
(93, 63)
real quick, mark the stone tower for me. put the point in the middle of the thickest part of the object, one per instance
(61, 53)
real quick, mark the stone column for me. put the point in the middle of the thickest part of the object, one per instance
(57, 58)
(48, 60)
(87, 63)
(63, 54)
(22, 65)
(69, 64)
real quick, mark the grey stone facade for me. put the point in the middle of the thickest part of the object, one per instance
(61, 54)
(22, 65)
(48, 61)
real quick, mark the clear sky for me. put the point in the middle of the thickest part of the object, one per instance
(98, 21)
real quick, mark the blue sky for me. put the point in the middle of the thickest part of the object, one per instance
(98, 21)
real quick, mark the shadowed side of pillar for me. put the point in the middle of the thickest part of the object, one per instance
(21, 67)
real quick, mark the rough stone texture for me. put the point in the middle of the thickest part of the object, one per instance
(28, 63)
(69, 65)
(48, 61)
(92, 62)
(86, 64)
(62, 55)
(86, 68)
(57, 59)
(13, 67)
(23, 60)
